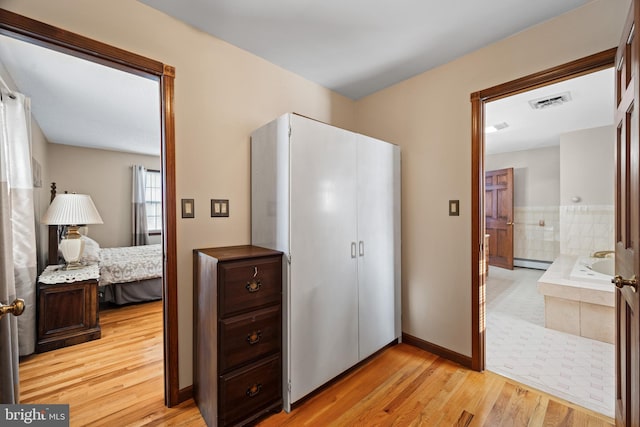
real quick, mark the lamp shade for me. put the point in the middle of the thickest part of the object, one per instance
(71, 209)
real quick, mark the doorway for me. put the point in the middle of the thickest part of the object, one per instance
(29, 30)
(559, 142)
(576, 68)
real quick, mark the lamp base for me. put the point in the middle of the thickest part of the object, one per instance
(73, 266)
(72, 247)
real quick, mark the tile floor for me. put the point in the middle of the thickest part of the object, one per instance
(518, 345)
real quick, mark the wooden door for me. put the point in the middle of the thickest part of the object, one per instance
(627, 225)
(498, 204)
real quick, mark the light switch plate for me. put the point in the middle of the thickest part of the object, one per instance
(454, 207)
(219, 208)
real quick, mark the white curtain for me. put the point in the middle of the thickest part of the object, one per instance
(139, 207)
(18, 264)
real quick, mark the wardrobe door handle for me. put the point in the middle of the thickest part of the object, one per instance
(353, 250)
(361, 248)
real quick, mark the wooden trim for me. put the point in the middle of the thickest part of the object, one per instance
(579, 67)
(169, 239)
(437, 350)
(477, 233)
(39, 33)
(185, 393)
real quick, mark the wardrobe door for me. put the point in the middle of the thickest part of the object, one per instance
(378, 248)
(323, 302)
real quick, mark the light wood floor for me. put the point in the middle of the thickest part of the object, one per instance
(118, 381)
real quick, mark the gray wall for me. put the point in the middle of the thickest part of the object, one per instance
(536, 175)
(587, 166)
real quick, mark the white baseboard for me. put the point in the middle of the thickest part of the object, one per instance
(531, 263)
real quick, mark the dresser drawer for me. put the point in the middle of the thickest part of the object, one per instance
(249, 336)
(245, 285)
(250, 390)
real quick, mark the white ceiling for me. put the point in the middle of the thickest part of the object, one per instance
(591, 105)
(357, 47)
(81, 103)
(352, 47)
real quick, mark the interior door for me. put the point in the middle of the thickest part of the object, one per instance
(378, 202)
(627, 225)
(323, 300)
(498, 204)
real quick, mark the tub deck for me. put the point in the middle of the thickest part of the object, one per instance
(577, 307)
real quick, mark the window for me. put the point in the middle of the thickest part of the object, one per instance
(153, 199)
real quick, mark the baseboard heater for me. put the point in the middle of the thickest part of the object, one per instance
(531, 263)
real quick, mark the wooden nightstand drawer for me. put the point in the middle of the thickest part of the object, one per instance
(250, 390)
(67, 314)
(249, 336)
(246, 285)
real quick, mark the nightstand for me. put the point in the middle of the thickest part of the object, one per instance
(67, 308)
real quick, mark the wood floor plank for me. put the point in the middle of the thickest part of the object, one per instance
(118, 381)
(450, 395)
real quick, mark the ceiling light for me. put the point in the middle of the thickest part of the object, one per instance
(496, 127)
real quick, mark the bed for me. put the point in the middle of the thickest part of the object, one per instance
(127, 274)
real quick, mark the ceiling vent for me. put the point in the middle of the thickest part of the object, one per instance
(550, 101)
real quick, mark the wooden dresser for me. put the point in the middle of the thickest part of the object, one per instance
(237, 333)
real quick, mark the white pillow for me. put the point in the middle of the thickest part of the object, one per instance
(91, 253)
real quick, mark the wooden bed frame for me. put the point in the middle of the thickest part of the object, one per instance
(54, 234)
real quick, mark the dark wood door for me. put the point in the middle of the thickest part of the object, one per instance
(627, 225)
(498, 204)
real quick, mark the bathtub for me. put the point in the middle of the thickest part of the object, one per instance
(579, 297)
(593, 270)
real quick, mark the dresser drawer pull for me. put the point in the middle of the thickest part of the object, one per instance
(254, 337)
(254, 390)
(253, 286)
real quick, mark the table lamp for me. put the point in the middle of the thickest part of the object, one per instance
(73, 210)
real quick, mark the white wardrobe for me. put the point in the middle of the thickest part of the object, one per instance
(330, 200)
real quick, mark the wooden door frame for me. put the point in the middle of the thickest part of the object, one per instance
(32, 31)
(589, 64)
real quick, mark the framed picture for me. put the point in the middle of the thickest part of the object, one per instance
(188, 208)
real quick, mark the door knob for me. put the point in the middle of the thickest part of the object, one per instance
(621, 283)
(16, 308)
(510, 223)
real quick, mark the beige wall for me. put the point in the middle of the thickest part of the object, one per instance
(429, 116)
(587, 159)
(106, 177)
(536, 175)
(221, 94)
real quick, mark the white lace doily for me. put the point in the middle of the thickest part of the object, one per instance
(55, 274)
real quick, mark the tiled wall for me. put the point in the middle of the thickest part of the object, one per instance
(585, 229)
(573, 230)
(533, 241)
